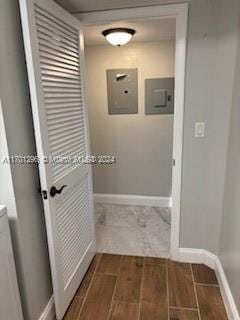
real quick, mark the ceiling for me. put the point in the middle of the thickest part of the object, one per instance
(75, 6)
(148, 30)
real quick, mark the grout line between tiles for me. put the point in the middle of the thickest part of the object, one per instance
(206, 285)
(168, 301)
(184, 308)
(141, 290)
(107, 273)
(89, 286)
(195, 291)
(114, 290)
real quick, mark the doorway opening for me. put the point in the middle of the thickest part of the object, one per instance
(133, 197)
(179, 12)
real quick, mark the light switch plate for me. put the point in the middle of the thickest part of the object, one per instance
(199, 129)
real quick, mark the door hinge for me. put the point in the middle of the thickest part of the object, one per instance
(174, 162)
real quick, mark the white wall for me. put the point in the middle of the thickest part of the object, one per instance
(230, 235)
(142, 144)
(209, 81)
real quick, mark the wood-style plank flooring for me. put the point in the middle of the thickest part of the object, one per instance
(136, 288)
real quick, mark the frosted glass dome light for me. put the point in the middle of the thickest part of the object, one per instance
(118, 36)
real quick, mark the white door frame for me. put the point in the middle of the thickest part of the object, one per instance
(180, 13)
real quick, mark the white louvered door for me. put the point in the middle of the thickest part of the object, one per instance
(54, 54)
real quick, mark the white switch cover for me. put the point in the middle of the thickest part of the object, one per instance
(199, 129)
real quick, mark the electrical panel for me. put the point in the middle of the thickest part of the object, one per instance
(159, 96)
(122, 91)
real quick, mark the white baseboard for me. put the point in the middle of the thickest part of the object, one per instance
(197, 256)
(230, 304)
(212, 261)
(132, 200)
(49, 311)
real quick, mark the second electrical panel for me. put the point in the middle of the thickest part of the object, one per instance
(159, 96)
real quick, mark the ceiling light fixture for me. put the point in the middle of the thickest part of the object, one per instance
(118, 36)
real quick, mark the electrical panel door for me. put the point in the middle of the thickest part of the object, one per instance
(122, 91)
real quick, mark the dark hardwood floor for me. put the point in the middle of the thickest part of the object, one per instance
(136, 288)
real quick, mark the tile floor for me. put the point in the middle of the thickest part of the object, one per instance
(143, 288)
(133, 230)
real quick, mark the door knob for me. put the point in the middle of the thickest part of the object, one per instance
(54, 190)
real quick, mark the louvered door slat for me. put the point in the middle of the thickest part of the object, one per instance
(48, 78)
(48, 84)
(55, 62)
(52, 53)
(62, 106)
(54, 96)
(63, 114)
(61, 91)
(51, 102)
(59, 74)
(56, 110)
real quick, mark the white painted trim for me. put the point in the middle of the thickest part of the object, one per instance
(180, 13)
(49, 311)
(211, 260)
(11, 304)
(133, 200)
(108, 16)
(190, 255)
